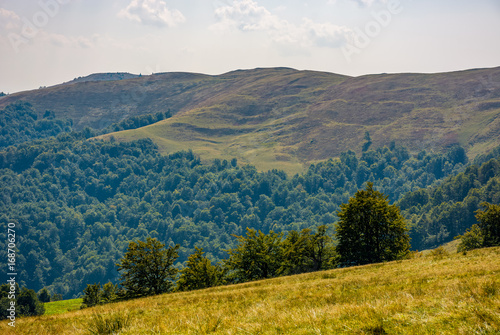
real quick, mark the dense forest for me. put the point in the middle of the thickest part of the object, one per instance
(78, 202)
(439, 213)
(20, 123)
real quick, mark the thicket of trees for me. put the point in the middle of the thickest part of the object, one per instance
(370, 230)
(20, 123)
(139, 121)
(26, 301)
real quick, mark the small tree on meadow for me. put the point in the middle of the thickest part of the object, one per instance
(305, 251)
(109, 292)
(44, 295)
(486, 233)
(28, 303)
(92, 295)
(489, 222)
(371, 230)
(147, 268)
(472, 239)
(199, 273)
(257, 256)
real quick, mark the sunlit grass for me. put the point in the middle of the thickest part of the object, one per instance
(58, 307)
(433, 294)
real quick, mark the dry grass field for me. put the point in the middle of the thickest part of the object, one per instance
(439, 293)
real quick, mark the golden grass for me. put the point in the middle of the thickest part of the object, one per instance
(449, 294)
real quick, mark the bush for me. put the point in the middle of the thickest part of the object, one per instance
(472, 239)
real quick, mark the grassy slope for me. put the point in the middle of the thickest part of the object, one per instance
(289, 120)
(283, 118)
(450, 294)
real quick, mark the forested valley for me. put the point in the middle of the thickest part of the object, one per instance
(77, 202)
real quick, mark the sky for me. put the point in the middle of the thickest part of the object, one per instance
(47, 42)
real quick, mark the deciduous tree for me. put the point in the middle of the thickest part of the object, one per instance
(199, 273)
(147, 268)
(257, 256)
(489, 222)
(371, 230)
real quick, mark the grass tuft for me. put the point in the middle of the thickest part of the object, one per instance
(109, 324)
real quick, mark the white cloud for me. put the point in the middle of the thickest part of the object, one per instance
(326, 34)
(152, 12)
(248, 16)
(361, 3)
(60, 40)
(9, 20)
(368, 3)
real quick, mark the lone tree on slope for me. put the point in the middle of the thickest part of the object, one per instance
(148, 268)
(371, 230)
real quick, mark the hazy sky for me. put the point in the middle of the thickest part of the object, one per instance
(46, 42)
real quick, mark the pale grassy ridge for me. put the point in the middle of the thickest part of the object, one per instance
(443, 294)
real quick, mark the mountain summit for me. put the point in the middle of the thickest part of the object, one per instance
(281, 117)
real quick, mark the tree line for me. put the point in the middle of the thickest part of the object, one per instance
(369, 230)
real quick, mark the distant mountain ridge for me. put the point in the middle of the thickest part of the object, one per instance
(281, 117)
(104, 77)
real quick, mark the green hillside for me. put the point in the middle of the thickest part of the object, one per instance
(443, 211)
(426, 295)
(79, 202)
(284, 118)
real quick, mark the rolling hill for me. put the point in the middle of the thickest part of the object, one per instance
(284, 118)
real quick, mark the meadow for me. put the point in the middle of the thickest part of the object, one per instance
(62, 306)
(436, 293)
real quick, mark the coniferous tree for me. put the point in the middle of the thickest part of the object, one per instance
(370, 230)
(368, 142)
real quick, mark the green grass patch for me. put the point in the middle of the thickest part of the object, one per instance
(62, 306)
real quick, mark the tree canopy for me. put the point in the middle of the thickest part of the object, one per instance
(199, 273)
(370, 230)
(489, 223)
(148, 268)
